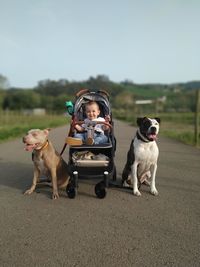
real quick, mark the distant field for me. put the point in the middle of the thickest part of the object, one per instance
(14, 124)
(179, 126)
(146, 93)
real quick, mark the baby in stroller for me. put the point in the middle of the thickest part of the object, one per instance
(91, 141)
(91, 131)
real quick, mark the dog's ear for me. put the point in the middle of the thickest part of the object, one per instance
(158, 120)
(140, 120)
(46, 131)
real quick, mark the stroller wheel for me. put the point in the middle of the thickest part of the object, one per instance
(100, 190)
(114, 177)
(71, 191)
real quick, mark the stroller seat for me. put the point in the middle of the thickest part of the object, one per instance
(97, 146)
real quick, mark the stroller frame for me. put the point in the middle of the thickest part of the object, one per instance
(103, 170)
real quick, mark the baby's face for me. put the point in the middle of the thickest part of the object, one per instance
(92, 111)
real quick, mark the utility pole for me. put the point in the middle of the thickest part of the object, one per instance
(196, 127)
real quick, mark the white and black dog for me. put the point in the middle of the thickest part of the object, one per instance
(142, 156)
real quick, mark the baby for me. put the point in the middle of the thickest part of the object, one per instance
(92, 112)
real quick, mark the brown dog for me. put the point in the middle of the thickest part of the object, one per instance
(46, 161)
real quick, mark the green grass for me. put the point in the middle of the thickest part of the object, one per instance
(179, 126)
(14, 124)
(179, 131)
(146, 92)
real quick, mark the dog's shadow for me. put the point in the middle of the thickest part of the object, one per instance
(47, 190)
(117, 185)
(16, 175)
(20, 175)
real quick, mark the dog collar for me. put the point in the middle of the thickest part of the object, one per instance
(45, 145)
(141, 137)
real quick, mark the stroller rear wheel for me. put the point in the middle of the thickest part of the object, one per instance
(71, 190)
(100, 190)
(114, 177)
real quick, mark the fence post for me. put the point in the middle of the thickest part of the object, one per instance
(197, 109)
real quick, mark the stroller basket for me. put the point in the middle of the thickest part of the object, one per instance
(91, 163)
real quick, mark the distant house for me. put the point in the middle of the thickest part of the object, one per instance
(35, 111)
(151, 101)
(143, 102)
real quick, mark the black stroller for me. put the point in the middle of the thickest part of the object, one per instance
(91, 161)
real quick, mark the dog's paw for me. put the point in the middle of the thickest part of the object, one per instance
(28, 192)
(154, 191)
(55, 196)
(127, 183)
(137, 193)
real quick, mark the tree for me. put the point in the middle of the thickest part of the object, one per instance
(59, 102)
(124, 99)
(20, 99)
(52, 88)
(2, 96)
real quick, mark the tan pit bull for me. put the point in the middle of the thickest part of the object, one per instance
(46, 161)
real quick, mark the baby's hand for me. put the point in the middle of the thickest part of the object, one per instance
(79, 128)
(107, 118)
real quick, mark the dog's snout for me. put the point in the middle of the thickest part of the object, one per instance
(25, 139)
(153, 129)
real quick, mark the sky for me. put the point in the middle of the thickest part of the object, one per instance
(144, 41)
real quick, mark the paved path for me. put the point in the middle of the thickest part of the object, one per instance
(120, 230)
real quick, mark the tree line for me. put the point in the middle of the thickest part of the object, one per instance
(52, 95)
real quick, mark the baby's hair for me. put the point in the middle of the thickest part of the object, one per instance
(92, 102)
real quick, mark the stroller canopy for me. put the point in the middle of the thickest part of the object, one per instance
(101, 97)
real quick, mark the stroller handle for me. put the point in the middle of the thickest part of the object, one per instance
(93, 123)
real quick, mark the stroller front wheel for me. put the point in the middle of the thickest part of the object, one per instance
(100, 190)
(71, 191)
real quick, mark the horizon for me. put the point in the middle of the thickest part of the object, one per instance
(131, 82)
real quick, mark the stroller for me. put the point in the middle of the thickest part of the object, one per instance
(91, 161)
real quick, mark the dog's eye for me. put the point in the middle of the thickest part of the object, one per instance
(34, 134)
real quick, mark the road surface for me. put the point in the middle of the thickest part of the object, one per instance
(119, 231)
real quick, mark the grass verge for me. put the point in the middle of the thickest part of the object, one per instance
(13, 125)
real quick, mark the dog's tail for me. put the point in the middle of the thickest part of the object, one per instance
(129, 162)
(125, 174)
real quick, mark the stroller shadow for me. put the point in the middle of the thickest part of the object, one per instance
(19, 176)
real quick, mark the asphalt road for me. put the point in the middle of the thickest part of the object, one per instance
(120, 230)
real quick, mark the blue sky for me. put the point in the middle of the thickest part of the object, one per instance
(145, 41)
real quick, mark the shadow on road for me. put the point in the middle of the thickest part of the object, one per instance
(10, 175)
